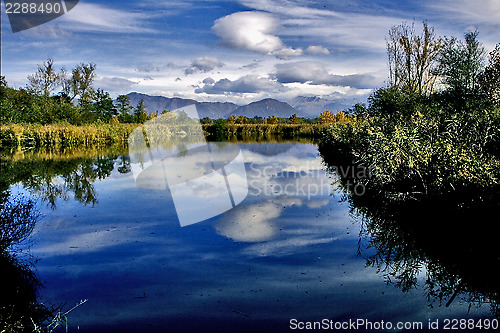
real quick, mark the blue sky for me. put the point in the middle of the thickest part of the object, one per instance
(236, 51)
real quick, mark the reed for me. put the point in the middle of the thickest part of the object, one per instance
(245, 131)
(13, 136)
(64, 135)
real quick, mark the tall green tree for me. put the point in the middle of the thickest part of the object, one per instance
(80, 83)
(461, 63)
(490, 78)
(103, 108)
(124, 108)
(140, 112)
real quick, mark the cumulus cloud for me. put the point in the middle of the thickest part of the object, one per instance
(315, 73)
(254, 31)
(249, 30)
(203, 64)
(245, 84)
(114, 83)
(287, 53)
(208, 80)
(317, 49)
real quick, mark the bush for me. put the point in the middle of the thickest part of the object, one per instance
(421, 150)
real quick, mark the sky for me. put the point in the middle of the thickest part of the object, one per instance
(236, 51)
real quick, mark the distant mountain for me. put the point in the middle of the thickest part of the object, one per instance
(160, 103)
(265, 108)
(215, 110)
(312, 106)
(309, 107)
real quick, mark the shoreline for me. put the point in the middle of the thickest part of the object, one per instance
(14, 136)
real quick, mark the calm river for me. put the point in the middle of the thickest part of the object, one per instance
(288, 252)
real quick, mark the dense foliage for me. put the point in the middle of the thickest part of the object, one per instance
(55, 96)
(417, 142)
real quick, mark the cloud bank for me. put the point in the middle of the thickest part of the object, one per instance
(203, 64)
(315, 73)
(245, 84)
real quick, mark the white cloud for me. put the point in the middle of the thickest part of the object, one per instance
(249, 31)
(290, 8)
(287, 53)
(244, 84)
(315, 73)
(93, 17)
(253, 31)
(114, 83)
(203, 64)
(317, 49)
(478, 12)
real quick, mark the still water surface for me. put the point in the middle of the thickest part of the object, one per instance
(290, 250)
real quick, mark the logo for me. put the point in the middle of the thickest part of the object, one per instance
(26, 14)
(204, 179)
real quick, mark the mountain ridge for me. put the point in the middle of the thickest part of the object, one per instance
(303, 106)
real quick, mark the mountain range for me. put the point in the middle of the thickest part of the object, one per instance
(307, 107)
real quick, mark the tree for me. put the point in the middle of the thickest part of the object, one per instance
(293, 119)
(242, 120)
(461, 63)
(232, 119)
(490, 78)
(80, 83)
(124, 109)
(46, 79)
(272, 120)
(3, 82)
(103, 108)
(326, 117)
(412, 58)
(140, 112)
(206, 120)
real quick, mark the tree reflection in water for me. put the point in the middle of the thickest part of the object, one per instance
(50, 176)
(448, 237)
(57, 176)
(18, 298)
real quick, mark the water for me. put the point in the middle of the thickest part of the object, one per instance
(291, 252)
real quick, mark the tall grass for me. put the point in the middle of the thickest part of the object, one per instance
(104, 135)
(256, 131)
(421, 154)
(64, 135)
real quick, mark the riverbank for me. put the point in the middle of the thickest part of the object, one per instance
(64, 135)
(421, 150)
(13, 136)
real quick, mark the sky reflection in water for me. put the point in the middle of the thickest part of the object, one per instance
(289, 250)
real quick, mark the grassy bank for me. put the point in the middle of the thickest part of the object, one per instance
(105, 135)
(420, 151)
(217, 132)
(64, 135)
